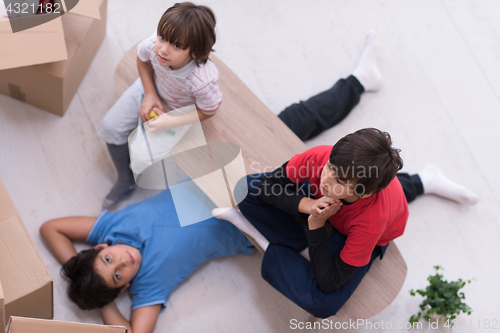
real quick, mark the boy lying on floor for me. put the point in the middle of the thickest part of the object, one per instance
(142, 248)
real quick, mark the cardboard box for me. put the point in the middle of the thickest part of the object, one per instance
(26, 282)
(2, 309)
(44, 66)
(30, 325)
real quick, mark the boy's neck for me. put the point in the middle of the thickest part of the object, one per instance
(180, 66)
(350, 200)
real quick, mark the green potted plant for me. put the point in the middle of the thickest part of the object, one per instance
(441, 298)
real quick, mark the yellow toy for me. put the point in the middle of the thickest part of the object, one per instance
(152, 114)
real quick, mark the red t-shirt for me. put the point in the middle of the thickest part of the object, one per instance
(375, 220)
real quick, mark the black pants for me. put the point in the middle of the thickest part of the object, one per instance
(310, 118)
(412, 185)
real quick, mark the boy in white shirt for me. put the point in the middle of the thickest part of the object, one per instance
(174, 67)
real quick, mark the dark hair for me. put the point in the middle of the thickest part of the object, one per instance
(358, 154)
(87, 289)
(188, 25)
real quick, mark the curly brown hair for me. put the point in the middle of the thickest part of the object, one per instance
(87, 289)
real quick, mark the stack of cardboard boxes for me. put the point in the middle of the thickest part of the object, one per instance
(29, 325)
(25, 284)
(44, 65)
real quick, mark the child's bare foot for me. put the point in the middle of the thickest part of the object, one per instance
(236, 217)
(435, 182)
(367, 71)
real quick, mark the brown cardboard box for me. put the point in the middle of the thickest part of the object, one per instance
(47, 80)
(30, 325)
(26, 283)
(2, 309)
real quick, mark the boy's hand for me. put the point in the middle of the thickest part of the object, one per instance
(322, 211)
(149, 102)
(320, 203)
(162, 123)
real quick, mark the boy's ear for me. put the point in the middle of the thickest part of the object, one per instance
(125, 287)
(100, 246)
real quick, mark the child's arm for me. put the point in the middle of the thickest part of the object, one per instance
(165, 121)
(142, 320)
(58, 234)
(330, 270)
(208, 97)
(309, 205)
(151, 99)
(291, 196)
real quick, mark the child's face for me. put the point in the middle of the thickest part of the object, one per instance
(171, 55)
(117, 264)
(332, 187)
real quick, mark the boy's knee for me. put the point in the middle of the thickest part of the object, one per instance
(322, 309)
(107, 125)
(246, 187)
(322, 304)
(241, 190)
(109, 131)
(323, 313)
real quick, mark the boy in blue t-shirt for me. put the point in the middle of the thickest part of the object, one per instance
(142, 248)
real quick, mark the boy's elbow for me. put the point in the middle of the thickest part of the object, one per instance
(208, 115)
(46, 229)
(203, 115)
(326, 288)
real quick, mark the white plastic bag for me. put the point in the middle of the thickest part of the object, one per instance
(146, 147)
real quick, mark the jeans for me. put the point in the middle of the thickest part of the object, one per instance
(285, 269)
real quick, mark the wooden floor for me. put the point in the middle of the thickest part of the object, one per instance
(440, 102)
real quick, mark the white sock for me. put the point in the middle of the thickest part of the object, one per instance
(236, 217)
(435, 182)
(367, 71)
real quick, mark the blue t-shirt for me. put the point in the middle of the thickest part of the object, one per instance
(170, 253)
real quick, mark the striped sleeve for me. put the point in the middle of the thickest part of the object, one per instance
(208, 97)
(146, 48)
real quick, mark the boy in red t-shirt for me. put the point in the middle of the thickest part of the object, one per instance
(353, 186)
